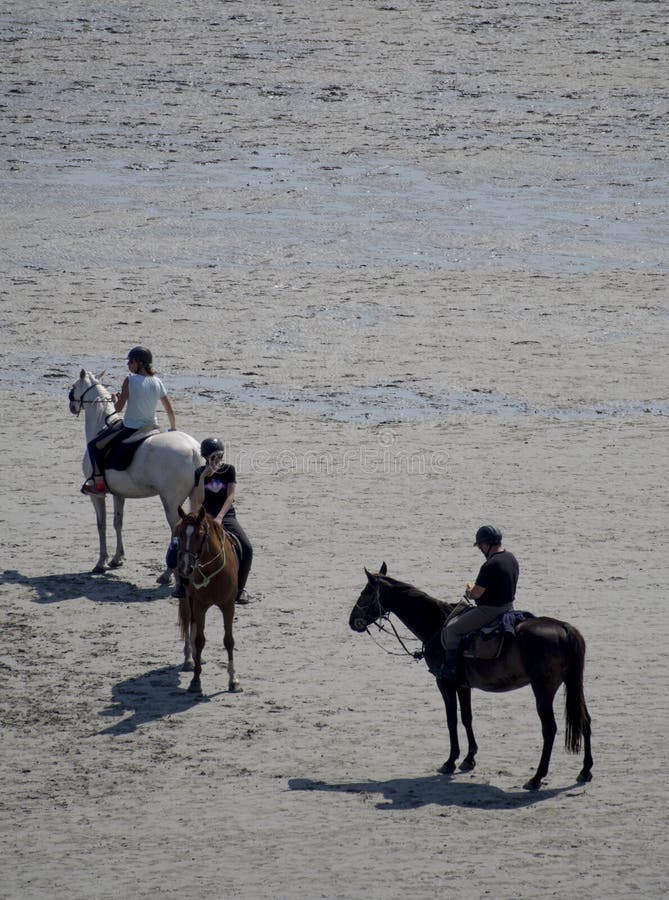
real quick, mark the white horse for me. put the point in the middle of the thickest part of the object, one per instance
(164, 464)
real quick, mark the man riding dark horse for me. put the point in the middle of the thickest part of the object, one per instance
(493, 594)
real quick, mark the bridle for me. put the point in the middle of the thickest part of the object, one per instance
(197, 568)
(383, 616)
(82, 401)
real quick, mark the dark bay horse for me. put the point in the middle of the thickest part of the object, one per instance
(208, 561)
(543, 653)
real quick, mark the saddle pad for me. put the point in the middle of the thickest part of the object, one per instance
(141, 434)
(506, 622)
(487, 642)
(120, 455)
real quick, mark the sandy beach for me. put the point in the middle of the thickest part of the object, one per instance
(409, 261)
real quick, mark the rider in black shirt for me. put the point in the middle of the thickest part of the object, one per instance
(497, 579)
(493, 593)
(215, 490)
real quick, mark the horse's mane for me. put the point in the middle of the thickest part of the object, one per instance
(215, 527)
(96, 381)
(412, 593)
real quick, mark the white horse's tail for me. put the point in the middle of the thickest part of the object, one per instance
(197, 462)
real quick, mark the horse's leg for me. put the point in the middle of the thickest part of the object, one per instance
(448, 692)
(100, 508)
(172, 515)
(198, 640)
(188, 665)
(229, 644)
(185, 623)
(465, 698)
(586, 772)
(544, 695)
(119, 556)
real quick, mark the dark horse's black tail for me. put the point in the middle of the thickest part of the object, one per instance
(576, 712)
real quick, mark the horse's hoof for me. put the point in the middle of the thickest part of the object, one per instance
(116, 564)
(448, 768)
(467, 764)
(532, 785)
(99, 569)
(194, 687)
(187, 666)
(164, 579)
(584, 777)
(235, 687)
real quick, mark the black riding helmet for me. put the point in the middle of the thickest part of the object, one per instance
(141, 355)
(211, 445)
(488, 534)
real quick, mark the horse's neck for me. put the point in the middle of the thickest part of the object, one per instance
(215, 543)
(97, 413)
(421, 614)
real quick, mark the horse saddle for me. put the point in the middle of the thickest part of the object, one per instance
(487, 642)
(121, 454)
(236, 546)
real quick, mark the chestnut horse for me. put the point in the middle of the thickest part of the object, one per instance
(208, 562)
(543, 653)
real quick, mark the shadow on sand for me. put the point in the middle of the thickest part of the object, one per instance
(149, 697)
(102, 588)
(439, 790)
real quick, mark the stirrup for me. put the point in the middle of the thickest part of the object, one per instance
(89, 487)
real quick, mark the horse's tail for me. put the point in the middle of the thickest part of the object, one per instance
(185, 616)
(196, 460)
(576, 712)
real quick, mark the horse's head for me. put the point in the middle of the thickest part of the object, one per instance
(87, 389)
(368, 606)
(192, 530)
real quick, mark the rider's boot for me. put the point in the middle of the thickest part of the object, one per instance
(449, 671)
(179, 588)
(450, 664)
(94, 485)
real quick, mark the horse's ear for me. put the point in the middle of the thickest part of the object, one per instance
(101, 375)
(383, 569)
(200, 515)
(82, 374)
(369, 575)
(181, 512)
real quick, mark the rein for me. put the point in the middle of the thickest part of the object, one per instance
(82, 402)
(384, 615)
(415, 654)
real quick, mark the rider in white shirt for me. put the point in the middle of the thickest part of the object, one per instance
(141, 391)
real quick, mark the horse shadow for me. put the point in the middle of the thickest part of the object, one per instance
(148, 698)
(105, 587)
(440, 790)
